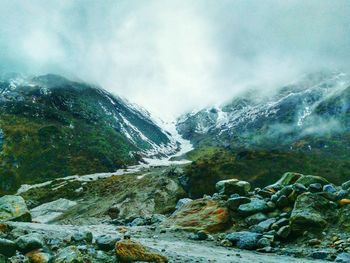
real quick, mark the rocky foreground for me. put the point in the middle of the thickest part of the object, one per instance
(303, 216)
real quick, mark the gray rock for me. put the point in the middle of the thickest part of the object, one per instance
(82, 236)
(255, 219)
(244, 239)
(282, 201)
(234, 203)
(266, 224)
(343, 258)
(284, 232)
(106, 242)
(255, 206)
(69, 254)
(233, 186)
(7, 247)
(200, 235)
(329, 188)
(14, 208)
(311, 211)
(138, 222)
(182, 202)
(279, 223)
(264, 242)
(321, 255)
(48, 212)
(286, 191)
(30, 242)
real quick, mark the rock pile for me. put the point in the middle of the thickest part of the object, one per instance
(297, 208)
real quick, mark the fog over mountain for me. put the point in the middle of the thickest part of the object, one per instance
(175, 56)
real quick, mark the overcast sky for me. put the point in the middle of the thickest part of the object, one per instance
(174, 56)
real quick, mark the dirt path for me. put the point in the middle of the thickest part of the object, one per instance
(174, 245)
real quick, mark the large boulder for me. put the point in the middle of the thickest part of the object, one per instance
(306, 180)
(244, 239)
(129, 251)
(311, 211)
(14, 208)
(48, 212)
(232, 186)
(201, 214)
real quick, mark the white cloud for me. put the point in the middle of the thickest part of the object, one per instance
(173, 56)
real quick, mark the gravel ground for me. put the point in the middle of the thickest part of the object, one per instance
(174, 245)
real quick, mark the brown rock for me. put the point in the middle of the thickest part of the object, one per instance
(343, 202)
(130, 251)
(201, 214)
(38, 256)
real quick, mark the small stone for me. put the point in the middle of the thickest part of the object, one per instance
(200, 235)
(234, 203)
(233, 186)
(255, 219)
(284, 232)
(226, 243)
(279, 223)
(264, 242)
(314, 242)
(244, 239)
(266, 224)
(69, 254)
(82, 236)
(329, 188)
(106, 242)
(321, 255)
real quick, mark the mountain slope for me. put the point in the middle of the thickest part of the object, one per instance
(303, 126)
(52, 127)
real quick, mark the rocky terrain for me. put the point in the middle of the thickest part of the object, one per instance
(145, 215)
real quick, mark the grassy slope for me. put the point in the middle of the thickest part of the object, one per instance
(36, 150)
(260, 167)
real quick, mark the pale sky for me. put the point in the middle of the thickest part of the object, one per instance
(175, 56)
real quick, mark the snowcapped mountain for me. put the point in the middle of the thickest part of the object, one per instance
(52, 127)
(315, 105)
(302, 127)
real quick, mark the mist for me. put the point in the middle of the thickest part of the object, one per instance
(175, 56)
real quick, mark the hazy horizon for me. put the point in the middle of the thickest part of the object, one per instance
(175, 56)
